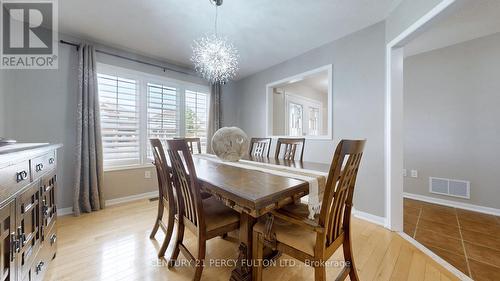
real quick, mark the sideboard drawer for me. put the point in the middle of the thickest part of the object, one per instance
(42, 164)
(16, 176)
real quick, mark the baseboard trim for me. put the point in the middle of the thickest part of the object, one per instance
(459, 274)
(369, 217)
(449, 203)
(64, 211)
(130, 198)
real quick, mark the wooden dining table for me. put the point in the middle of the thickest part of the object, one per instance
(253, 194)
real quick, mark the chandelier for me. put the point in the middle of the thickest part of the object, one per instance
(214, 57)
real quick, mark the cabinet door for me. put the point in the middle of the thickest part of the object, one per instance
(48, 207)
(28, 227)
(7, 242)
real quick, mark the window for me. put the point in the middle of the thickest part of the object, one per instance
(119, 120)
(136, 107)
(295, 122)
(197, 116)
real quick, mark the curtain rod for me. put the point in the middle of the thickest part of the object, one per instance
(164, 68)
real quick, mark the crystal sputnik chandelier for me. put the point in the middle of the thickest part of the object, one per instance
(214, 57)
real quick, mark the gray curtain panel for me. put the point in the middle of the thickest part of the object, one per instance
(89, 164)
(214, 114)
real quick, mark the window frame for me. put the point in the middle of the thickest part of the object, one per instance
(143, 79)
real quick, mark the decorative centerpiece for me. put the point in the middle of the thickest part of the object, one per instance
(230, 144)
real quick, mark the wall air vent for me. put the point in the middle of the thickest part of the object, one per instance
(450, 187)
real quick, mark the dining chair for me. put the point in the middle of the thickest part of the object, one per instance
(291, 145)
(290, 231)
(166, 198)
(260, 147)
(206, 218)
(191, 142)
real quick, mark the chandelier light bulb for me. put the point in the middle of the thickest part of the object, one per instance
(214, 57)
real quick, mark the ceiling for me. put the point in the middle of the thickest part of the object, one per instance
(319, 82)
(265, 32)
(464, 21)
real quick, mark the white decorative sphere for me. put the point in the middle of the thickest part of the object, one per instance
(230, 144)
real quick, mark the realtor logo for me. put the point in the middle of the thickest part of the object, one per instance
(29, 34)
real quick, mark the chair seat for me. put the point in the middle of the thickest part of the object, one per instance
(217, 214)
(300, 238)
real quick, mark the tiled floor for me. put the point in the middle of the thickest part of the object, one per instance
(470, 241)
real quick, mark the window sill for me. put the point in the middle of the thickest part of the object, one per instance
(129, 167)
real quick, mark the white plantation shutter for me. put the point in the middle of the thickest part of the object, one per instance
(163, 113)
(118, 98)
(196, 116)
(137, 106)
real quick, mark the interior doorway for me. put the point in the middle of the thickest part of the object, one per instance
(439, 76)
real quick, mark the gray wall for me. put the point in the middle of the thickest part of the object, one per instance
(452, 118)
(358, 102)
(2, 104)
(40, 106)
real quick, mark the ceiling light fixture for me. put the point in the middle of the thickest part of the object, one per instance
(214, 57)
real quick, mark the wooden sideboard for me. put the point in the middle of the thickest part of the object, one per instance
(28, 213)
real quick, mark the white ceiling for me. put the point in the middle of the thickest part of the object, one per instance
(464, 21)
(266, 32)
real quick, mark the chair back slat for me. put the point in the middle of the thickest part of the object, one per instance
(290, 148)
(186, 182)
(335, 213)
(163, 172)
(260, 147)
(193, 143)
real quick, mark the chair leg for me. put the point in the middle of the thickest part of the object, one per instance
(175, 253)
(258, 254)
(168, 235)
(223, 236)
(159, 217)
(320, 273)
(347, 247)
(200, 261)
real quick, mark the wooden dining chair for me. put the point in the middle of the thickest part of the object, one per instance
(290, 231)
(206, 218)
(166, 199)
(260, 147)
(192, 142)
(290, 148)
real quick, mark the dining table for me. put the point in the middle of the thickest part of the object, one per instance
(253, 193)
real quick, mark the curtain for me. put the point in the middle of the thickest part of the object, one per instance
(214, 114)
(89, 163)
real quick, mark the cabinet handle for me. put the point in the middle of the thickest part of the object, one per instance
(51, 161)
(20, 176)
(21, 237)
(39, 267)
(39, 167)
(14, 246)
(53, 239)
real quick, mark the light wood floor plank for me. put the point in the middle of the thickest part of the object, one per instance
(114, 245)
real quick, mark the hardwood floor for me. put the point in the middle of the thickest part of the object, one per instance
(113, 244)
(467, 240)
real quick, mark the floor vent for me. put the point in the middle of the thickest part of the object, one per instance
(450, 187)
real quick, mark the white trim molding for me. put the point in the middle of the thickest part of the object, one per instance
(368, 217)
(269, 102)
(394, 117)
(454, 204)
(111, 202)
(459, 274)
(130, 198)
(64, 211)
